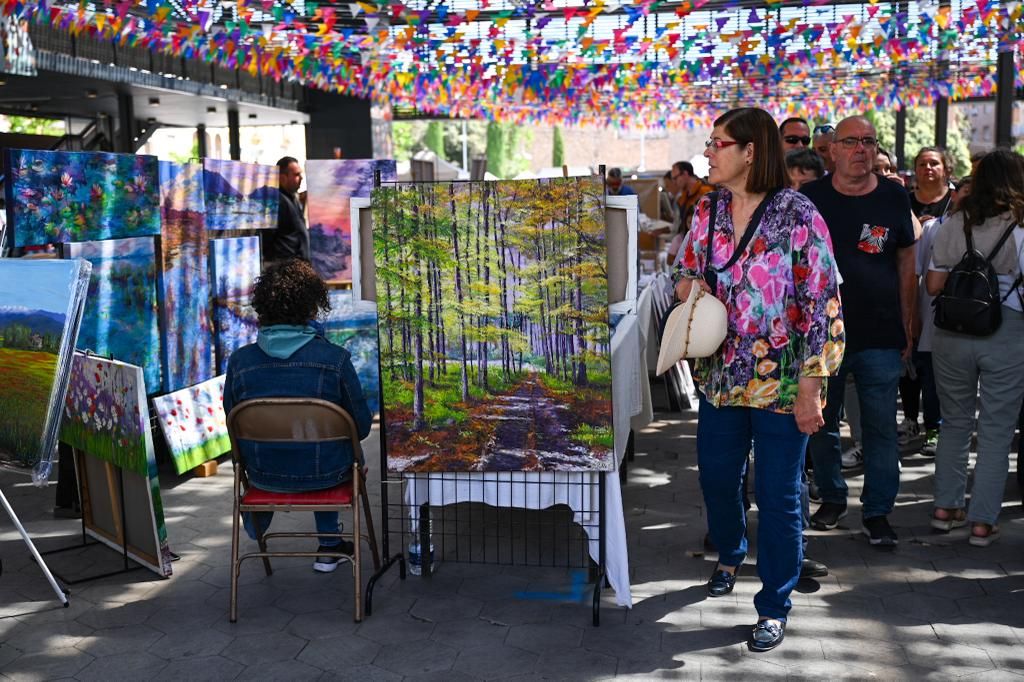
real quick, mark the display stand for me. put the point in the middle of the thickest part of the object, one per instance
(507, 518)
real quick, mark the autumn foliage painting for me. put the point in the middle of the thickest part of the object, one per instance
(493, 321)
(81, 196)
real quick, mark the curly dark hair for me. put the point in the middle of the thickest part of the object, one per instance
(996, 188)
(289, 292)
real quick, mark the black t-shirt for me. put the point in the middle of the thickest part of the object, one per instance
(936, 209)
(867, 231)
(291, 238)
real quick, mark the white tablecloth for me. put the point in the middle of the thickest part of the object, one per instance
(578, 490)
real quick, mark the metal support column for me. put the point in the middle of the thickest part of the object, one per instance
(1004, 100)
(234, 136)
(124, 142)
(201, 140)
(901, 139)
(941, 122)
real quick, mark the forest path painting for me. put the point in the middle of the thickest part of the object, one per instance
(493, 322)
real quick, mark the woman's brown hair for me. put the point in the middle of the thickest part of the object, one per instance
(289, 292)
(996, 188)
(752, 125)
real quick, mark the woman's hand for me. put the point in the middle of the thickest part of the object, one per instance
(807, 408)
(683, 287)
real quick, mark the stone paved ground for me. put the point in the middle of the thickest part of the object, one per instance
(933, 608)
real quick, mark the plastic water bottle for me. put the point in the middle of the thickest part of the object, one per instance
(416, 557)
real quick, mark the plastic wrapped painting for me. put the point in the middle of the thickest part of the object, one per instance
(121, 312)
(106, 420)
(235, 265)
(194, 423)
(185, 282)
(353, 325)
(330, 185)
(81, 196)
(493, 316)
(40, 310)
(240, 196)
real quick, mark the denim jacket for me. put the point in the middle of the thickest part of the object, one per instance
(316, 369)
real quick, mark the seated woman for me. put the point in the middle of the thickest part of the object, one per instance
(291, 358)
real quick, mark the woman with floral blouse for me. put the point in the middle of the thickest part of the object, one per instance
(766, 383)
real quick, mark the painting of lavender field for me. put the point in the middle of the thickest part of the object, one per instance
(330, 185)
(353, 325)
(106, 420)
(80, 196)
(194, 423)
(188, 355)
(40, 305)
(235, 265)
(493, 315)
(240, 196)
(121, 310)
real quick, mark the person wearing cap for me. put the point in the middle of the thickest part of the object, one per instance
(616, 187)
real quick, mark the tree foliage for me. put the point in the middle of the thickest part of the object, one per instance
(557, 148)
(27, 125)
(921, 133)
(434, 138)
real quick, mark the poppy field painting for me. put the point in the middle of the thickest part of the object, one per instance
(493, 321)
(194, 423)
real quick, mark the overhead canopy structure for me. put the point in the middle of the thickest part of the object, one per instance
(636, 63)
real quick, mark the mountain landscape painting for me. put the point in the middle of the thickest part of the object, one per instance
(234, 267)
(330, 185)
(80, 196)
(493, 323)
(40, 304)
(188, 355)
(353, 325)
(120, 318)
(240, 196)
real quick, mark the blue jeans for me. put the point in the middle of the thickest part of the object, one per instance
(877, 373)
(724, 435)
(326, 522)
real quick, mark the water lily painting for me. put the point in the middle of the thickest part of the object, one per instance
(493, 316)
(194, 423)
(331, 184)
(240, 196)
(353, 325)
(80, 196)
(234, 267)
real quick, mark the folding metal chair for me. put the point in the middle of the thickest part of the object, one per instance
(311, 422)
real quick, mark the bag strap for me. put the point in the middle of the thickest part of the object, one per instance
(710, 276)
(968, 234)
(748, 235)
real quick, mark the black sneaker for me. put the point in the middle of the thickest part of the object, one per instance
(828, 515)
(810, 568)
(327, 564)
(879, 532)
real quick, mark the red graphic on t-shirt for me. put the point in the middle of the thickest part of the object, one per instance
(872, 238)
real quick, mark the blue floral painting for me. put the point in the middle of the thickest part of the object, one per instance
(240, 196)
(235, 265)
(353, 325)
(185, 282)
(80, 196)
(120, 318)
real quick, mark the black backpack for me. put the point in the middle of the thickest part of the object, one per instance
(970, 302)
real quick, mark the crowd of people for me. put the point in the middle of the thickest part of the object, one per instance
(829, 264)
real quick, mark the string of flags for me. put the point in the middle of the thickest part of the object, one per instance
(620, 63)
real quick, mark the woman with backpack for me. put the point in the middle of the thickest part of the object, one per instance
(979, 342)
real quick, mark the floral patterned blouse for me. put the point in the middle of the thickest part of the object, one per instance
(782, 296)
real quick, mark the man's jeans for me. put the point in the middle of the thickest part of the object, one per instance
(877, 373)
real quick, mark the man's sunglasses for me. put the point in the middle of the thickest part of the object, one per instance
(824, 129)
(797, 139)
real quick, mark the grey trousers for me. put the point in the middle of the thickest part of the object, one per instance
(961, 363)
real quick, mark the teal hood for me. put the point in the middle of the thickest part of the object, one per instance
(283, 340)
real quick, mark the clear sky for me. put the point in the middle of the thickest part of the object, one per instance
(36, 284)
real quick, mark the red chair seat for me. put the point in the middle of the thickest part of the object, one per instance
(340, 494)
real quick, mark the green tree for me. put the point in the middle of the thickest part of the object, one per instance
(434, 138)
(557, 149)
(476, 139)
(27, 125)
(921, 133)
(496, 149)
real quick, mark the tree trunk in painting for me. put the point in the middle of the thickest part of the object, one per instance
(459, 297)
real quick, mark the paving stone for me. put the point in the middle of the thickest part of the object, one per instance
(361, 673)
(953, 659)
(814, 671)
(1013, 675)
(190, 643)
(47, 665)
(416, 658)
(515, 612)
(202, 669)
(747, 669)
(541, 637)
(655, 667)
(1007, 609)
(863, 654)
(311, 601)
(122, 614)
(339, 653)
(439, 609)
(266, 648)
(922, 607)
(136, 665)
(254, 620)
(320, 624)
(119, 640)
(48, 636)
(395, 630)
(282, 671)
(950, 587)
(175, 620)
(577, 664)
(470, 632)
(494, 586)
(494, 662)
(7, 654)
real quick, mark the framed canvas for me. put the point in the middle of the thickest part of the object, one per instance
(621, 218)
(352, 324)
(106, 421)
(194, 423)
(492, 303)
(364, 274)
(58, 196)
(121, 312)
(234, 267)
(331, 185)
(41, 304)
(188, 348)
(240, 196)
